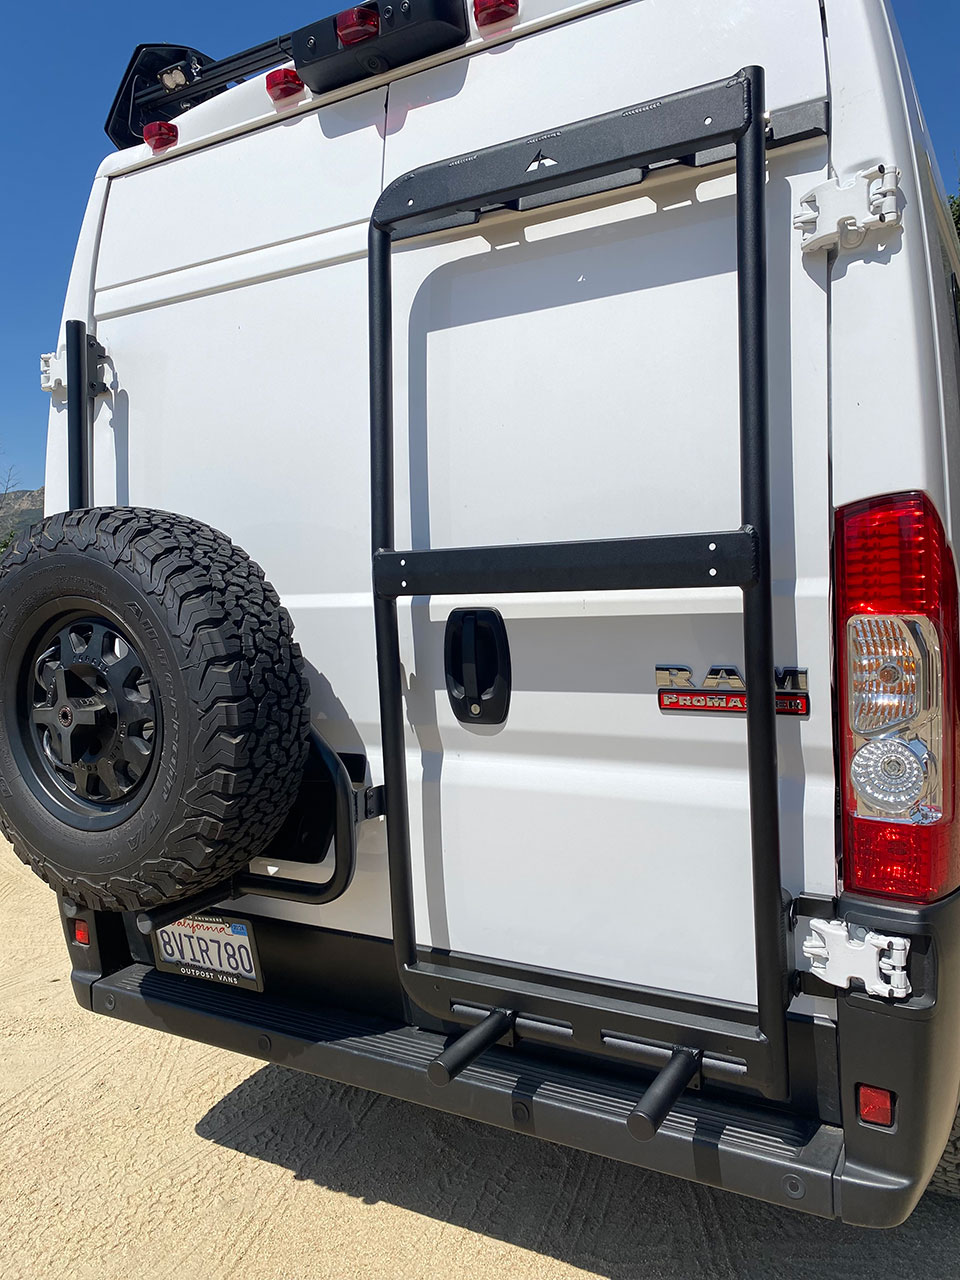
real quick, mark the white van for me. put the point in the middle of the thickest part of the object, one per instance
(584, 378)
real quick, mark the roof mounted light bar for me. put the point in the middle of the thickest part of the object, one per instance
(164, 80)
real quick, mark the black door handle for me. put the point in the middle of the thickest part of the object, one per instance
(477, 666)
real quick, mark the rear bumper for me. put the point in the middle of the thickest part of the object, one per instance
(858, 1173)
(773, 1156)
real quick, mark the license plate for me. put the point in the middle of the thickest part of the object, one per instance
(212, 946)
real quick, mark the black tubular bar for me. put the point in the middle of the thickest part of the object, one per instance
(662, 1093)
(440, 195)
(469, 1046)
(762, 766)
(77, 415)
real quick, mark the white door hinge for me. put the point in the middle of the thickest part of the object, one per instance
(53, 375)
(841, 953)
(834, 216)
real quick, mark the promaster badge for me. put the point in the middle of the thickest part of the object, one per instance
(723, 689)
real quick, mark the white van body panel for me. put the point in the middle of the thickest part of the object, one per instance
(600, 344)
(566, 374)
(229, 367)
(885, 399)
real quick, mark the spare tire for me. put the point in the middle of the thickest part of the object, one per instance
(153, 706)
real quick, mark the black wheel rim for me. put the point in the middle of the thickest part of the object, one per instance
(89, 718)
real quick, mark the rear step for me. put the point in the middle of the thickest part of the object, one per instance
(778, 1157)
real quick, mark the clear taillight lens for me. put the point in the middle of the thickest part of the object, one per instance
(896, 592)
(894, 666)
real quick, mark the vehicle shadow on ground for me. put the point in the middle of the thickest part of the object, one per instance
(583, 1210)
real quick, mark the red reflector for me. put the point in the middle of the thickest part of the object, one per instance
(283, 83)
(160, 134)
(81, 932)
(487, 12)
(360, 23)
(875, 1105)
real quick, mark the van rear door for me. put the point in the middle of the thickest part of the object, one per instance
(572, 373)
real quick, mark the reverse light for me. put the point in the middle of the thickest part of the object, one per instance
(160, 134)
(890, 775)
(81, 932)
(897, 653)
(487, 12)
(283, 83)
(357, 24)
(875, 1106)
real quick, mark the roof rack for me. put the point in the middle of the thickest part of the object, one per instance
(163, 80)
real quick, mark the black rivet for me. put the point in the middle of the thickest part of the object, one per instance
(521, 1112)
(264, 1044)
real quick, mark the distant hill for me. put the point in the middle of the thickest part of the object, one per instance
(18, 509)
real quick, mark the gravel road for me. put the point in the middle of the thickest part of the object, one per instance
(127, 1154)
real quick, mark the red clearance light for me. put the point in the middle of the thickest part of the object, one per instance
(357, 24)
(487, 12)
(875, 1106)
(160, 134)
(897, 657)
(283, 83)
(81, 932)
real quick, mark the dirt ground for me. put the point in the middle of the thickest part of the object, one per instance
(125, 1153)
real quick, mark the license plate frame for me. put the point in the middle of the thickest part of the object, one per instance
(177, 949)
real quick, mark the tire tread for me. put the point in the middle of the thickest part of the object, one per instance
(245, 678)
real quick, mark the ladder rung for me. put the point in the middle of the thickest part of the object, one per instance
(662, 1093)
(728, 559)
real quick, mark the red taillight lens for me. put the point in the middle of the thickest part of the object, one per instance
(81, 932)
(360, 23)
(283, 83)
(487, 12)
(897, 638)
(160, 134)
(875, 1106)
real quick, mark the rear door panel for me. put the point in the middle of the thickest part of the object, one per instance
(573, 374)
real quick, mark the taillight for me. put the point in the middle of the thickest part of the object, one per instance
(487, 12)
(160, 134)
(897, 636)
(283, 83)
(354, 25)
(81, 932)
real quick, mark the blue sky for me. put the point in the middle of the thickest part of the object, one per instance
(59, 86)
